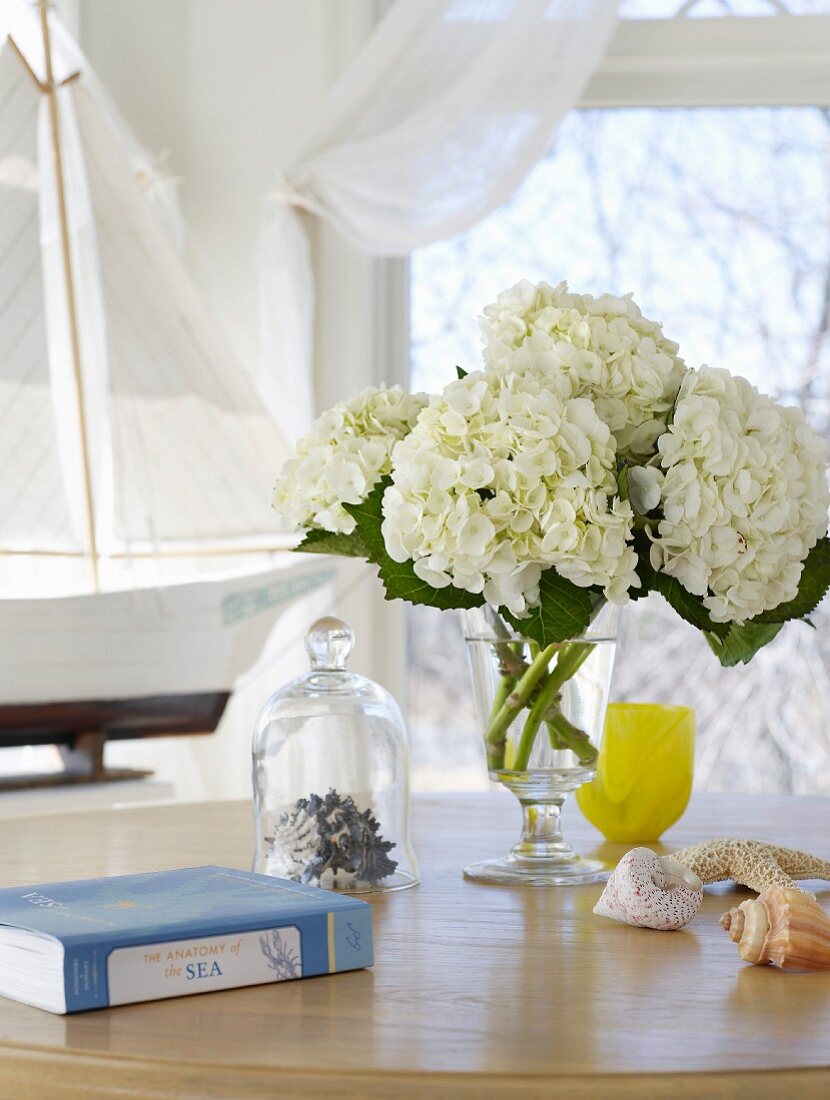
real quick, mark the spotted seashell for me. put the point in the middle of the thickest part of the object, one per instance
(651, 891)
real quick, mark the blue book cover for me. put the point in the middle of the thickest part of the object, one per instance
(71, 946)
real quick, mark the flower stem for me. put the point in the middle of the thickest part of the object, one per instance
(544, 700)
(568, 662)
(515, 701)
(506, 685)
(565, 735)
(495, 750)
(530, 685)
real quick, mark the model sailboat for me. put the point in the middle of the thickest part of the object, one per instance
(136, 569)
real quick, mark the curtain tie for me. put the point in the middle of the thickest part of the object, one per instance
(292, 194)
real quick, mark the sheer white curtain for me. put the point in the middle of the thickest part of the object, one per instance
(437, 121)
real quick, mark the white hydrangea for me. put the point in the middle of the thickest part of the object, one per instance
(343, 456)
(503, 475)
(605, 346)
(744, 496)
(644, 488)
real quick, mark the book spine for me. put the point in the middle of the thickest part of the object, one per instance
(105, 973)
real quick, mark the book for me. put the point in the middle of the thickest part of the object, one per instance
(71, 946)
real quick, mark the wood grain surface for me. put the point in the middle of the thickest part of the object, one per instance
(478, 991)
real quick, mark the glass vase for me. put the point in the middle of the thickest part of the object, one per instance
(542, 713)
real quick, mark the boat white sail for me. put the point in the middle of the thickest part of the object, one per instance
(138, 553)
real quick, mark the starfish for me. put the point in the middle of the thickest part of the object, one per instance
(751, 863)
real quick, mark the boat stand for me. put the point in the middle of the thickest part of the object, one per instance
(83, 763)
(80, 730)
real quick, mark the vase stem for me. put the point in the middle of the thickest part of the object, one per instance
(542, 837)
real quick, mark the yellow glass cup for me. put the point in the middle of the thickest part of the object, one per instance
(644, 772)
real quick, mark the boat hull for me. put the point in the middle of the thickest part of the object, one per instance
(180, 640)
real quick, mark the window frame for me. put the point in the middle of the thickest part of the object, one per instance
(729, 61)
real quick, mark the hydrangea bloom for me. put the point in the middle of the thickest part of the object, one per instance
(744, 496)
(503, 475)
(343, 456)
(606, 347)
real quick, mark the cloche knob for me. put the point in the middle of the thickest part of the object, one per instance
(328, 644)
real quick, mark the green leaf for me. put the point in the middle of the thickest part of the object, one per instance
(812, 588)
(642, 547)
(399, 579)
(564, 611)
(328, 542)
(622, 483)
(741, 643)
(368, 516)
(400, 582)
(462, 374)
(688, 607)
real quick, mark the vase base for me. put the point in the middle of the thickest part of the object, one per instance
(515, 872)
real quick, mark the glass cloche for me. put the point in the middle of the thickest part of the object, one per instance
(331, 777)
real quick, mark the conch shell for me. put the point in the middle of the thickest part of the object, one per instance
(782, 926)
(651, 891)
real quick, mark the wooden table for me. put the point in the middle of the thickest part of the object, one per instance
(478, 991)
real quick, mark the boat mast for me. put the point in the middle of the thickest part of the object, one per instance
(50, 89)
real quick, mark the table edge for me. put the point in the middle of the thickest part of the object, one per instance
(72, 1075)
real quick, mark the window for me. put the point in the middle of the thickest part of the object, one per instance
(717, 216)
